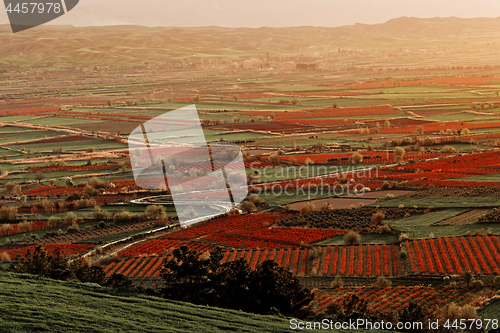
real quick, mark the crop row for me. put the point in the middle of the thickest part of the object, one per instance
(455, 255)
(393, 299)
(359, 260)
(66, 249)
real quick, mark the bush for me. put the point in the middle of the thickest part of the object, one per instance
(352, 237)
(70, 218)
(382, 282)
(357, 158)
(55, 222)
(8, 214)
(378, 217)
(4, 257)
(99, 214)
(337, 282)
(247, 207)
(384, 229)
(307, 208)
(448, 149)
(155, 211)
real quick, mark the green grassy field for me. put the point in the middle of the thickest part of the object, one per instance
(38, 304)
(491, 311)
(422, 226)
(73, 145)
(60, 121)
(482, 178)
(26, 136)
(32, 304)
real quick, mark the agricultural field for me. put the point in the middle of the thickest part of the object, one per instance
(377, 180)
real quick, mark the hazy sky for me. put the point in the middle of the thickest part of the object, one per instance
(271, 13)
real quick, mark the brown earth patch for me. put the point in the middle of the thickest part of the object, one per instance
(111, 127)
(337, 203)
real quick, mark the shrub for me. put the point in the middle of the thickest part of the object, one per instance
(4, 257)
(99, 214)
(378, 217)
(384, 229)
(448, 149)
(70, 218)
(307, 208)
(155, 211)
(357, 158)
(25, 227)
(73, 228)
(247, 207)
(122, 218)
(254, 198)
(54, 222)
(337, 282)
(89, 191)
(382, 282)
(96, 183)
(8, 214)
(352, 237)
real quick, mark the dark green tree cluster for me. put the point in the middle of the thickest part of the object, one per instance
(268, 289)
(57, 266)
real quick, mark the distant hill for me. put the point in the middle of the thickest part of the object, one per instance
(132, 44)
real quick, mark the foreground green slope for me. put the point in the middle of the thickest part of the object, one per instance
(36, 304)
(32, 304)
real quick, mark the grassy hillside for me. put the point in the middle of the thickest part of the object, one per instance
(31, 304)
(37, 304)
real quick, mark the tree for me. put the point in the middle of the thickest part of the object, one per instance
(352, 237)
(318, 147)
(414, 313)
(467, 277)
(70, 218)
(109, 102)
(356, 158)
(39, 177)
(382, 282)
(465, 131)
(387, 124)
(232, 284)
(89, 190)
(378, 217)
(399, 151)
(247, 207)
(274, 159)
(8, 214)
(155, 211)
(307, 208)
(69, 182)
(90, 149)
(420, 130)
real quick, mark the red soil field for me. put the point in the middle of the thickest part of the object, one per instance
(455, 255)
(265, 126)
(337, 203)
(66, 249)
(392, 299)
